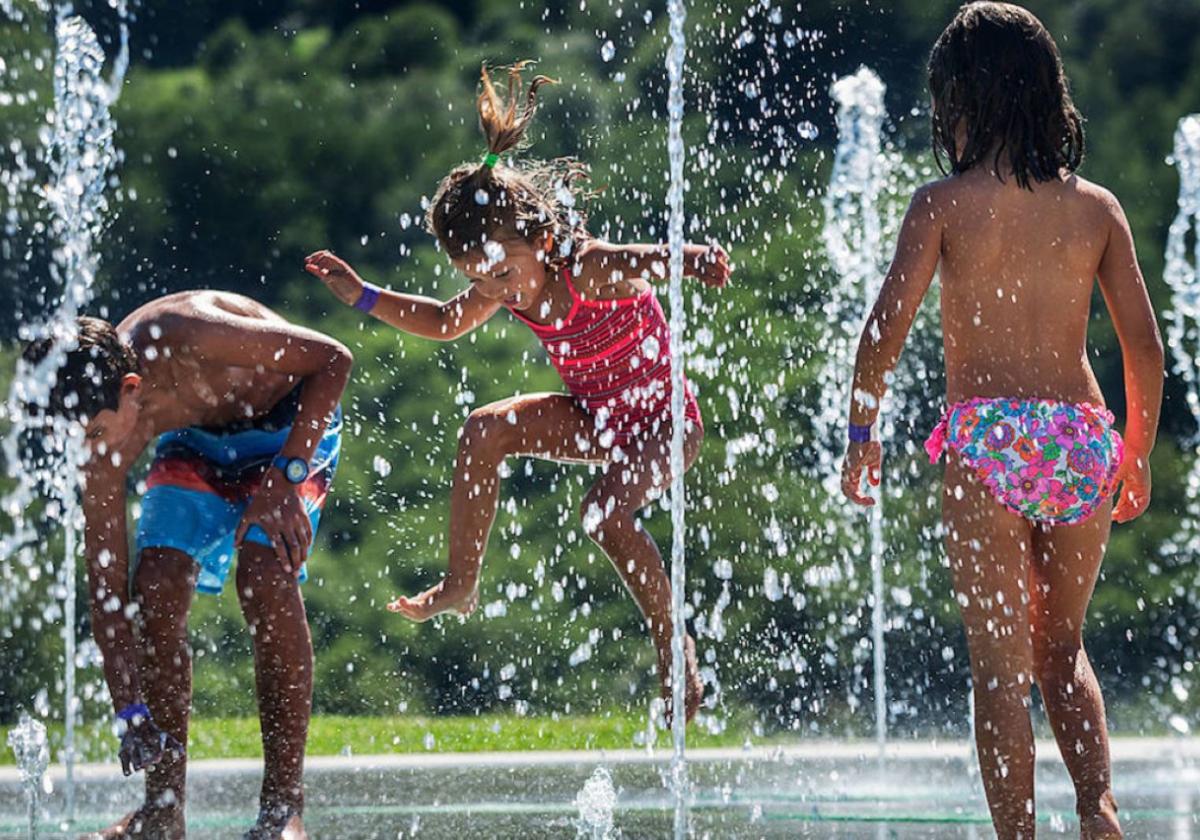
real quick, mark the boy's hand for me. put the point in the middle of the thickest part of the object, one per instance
(279, 511)
(143, 745)
(709, 264)
(1133, 481)
(336, 274)
(861, 456)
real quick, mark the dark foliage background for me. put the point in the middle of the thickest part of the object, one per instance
(256, 132)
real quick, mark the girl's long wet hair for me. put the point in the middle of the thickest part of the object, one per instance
(481, 202)
(996, 72)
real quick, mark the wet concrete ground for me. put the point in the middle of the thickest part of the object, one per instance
(818, 790)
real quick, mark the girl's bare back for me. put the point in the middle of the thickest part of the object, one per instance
(1018, 268)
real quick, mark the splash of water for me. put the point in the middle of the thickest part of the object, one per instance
(28, 742)
(80, 155)
(1182, 275)
(676, 55)
(596, 803)
(853, 236)
(1181, 270)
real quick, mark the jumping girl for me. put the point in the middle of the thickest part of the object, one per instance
(1033, 458)
(512, 230)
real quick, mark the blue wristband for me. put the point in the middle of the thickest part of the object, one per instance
(134, 710)
(369, 297)
(860, 434)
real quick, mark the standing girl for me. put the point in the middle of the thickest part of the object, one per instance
(1032, 456)
(515, 235)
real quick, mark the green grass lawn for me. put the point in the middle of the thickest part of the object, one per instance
(239, 737)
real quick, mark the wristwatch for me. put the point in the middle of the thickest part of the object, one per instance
(294, 470)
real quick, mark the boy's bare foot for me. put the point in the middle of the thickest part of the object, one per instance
(693, 685)
(1102, 825)
(434, 601)
(146, 823)
(282, 823)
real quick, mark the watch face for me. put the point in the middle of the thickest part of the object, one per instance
(296, 471)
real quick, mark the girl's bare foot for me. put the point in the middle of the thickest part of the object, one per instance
(435, 601)
(282, 823)
(693, 685)
(1102, 825)
(146, 823)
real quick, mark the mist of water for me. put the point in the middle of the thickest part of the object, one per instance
(28, 742)
(1183, 264)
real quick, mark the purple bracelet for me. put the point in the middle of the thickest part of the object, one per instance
(860, 434)
(368, 298)
(134, 710)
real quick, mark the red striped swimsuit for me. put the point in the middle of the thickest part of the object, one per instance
(614, 356)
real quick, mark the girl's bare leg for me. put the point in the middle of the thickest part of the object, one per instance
(1066, 564)
(610, 518)
(550, 426)
(990, 552)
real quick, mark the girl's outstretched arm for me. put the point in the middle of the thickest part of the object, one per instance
(918, 249)
(707, 263)
(1128, 303)
(415, 314)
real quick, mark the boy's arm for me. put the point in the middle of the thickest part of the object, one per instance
(707, 263)
(415, 314)
(918, 249)
(1133, 319)
(106, 551)
(220, 338)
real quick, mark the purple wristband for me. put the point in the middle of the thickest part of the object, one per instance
(134, 710)
(368, 298)
(860, 434)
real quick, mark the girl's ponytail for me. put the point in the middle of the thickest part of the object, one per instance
(504, 120)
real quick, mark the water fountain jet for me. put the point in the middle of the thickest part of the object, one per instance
(28, 743)
(853, 236)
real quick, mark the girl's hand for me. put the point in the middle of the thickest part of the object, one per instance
(709, 264)
(336, 274)
(861, 456)
(1133, 479)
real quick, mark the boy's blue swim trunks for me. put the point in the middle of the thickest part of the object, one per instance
(202, 479)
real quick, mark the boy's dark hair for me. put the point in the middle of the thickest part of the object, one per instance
(481, 202)
(89, 380)
(997, 71)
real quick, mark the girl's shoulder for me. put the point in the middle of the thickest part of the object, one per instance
(599, 273)
(934, 197)
(1093, 193)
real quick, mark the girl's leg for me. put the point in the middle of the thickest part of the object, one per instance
(990, 551)
(610, 518)
(1066, 565)
(547, 426)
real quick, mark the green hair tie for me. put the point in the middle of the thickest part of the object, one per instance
(492, 159)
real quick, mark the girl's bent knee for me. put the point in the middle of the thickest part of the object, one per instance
(487, 431)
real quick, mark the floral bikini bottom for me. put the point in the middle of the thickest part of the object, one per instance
(1048, 461)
